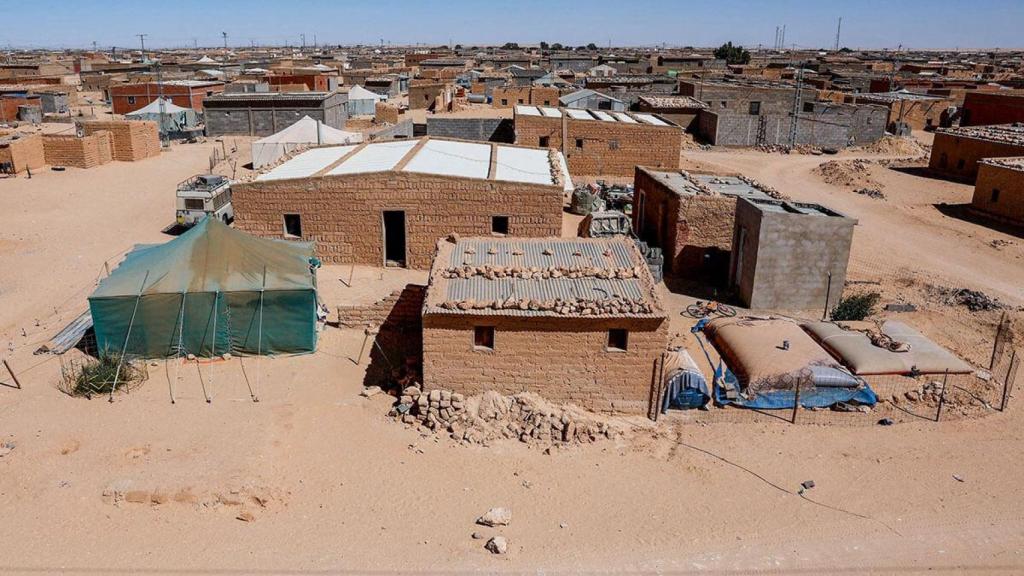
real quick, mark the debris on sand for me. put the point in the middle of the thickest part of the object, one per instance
(870, 193)
(999, 243)
(854, 173)
(973, 300)
(497, 545)
(496, 517)
(895, 146)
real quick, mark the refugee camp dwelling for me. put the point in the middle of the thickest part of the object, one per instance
(305, 133)
(362, 102)
(173, 121)
(210, 291)
(573, 320)
(596, 142)
(690, 217)
(125, 98)
(387, 203)
(789, 255)
(999, 190)
(983, 108)
(957, 151)
(264, 114)
(683, 110)
(592, 100)
(20, 152)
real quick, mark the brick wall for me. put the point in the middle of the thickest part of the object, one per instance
(562, 359)
(509, 96)
(130, 140)
(608, 148)
(1009, 206)
(343, 214)
(385, 113)
(86, 152)
(400, 308)
(25, 153)
(694, 232)
(983, 109)
(957, 157)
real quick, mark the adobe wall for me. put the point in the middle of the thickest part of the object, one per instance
(424, 96)
(1010, 183)
(25, 153)
(957, 157)
(343, 214)
(130, 140)
(562, 359)
(608, 148)
(85, 152)
(509, 96)
(983, 109)
(385, 113)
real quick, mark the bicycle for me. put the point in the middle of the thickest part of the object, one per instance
(704, 309)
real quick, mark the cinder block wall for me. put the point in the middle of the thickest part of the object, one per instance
(480, 129)
(1010, 183)
(957, 158)
(609, 148)
(343, 214)
(562, 359)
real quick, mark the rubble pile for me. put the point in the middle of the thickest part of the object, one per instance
(930, 394)
(896, 146)
(973, 300)
(764, 188)
(616, 305)
(850, 173)
(870, 193)
(538, 273)
(493, 416)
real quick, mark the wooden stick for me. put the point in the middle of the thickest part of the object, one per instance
(1010, 373)
(942, 396)
(259, 338)
(11, 372)
(351, 271)
(366, 336)
(995, 344)
(124, 349)
(796, 402)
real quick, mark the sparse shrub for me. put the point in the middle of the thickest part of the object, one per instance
(856, 306)
(97, 376)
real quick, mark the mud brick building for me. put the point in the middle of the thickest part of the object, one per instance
(429, 95)
(77, 152)
(125, 98)
(956, 151)
(573, 320)
(987, 108)
(690, 217)
(131, 140)
(682, 110)
(999, 190)
(264, 114)
(511, 95)
(783, 253)
(21, 151)
(600, 143)
(387, 203)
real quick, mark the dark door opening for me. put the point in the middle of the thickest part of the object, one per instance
(394, 238)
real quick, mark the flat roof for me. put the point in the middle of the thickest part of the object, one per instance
(1014, 163)
(440, 156)
(685, 183)
(588, 114)
(1003, 133)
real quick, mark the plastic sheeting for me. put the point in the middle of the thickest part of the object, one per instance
(685, 386)
(854, 349)
(305, 132)
(175, 118)
(201, 294)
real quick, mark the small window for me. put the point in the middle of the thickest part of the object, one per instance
(618, 340)
(193, 203)
(960, 164)
(483, 337)
(504, 101)
(293, 225)
(995, 195)
(547, 102)
(579, 143)
(545, 141)
(808, 106)
(499, 225)
(520, 101)
(613, 144)
(131, 99)
(723, 104)
(755, 108)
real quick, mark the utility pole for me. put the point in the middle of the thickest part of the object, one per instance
(839, 28)
(225, 36)
(142, 41)
(162, 105)
(303, 37)
(796, 105)
(93, 45)
(195, 43)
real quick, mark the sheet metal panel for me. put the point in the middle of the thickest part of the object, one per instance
(527, 110)
(578, 114)
(523, 165)
(551, 112)
(377, 157)
(601, 115)
(306, 164)
(648, 119)
(624, 117)
(562, 253)
(448, 158)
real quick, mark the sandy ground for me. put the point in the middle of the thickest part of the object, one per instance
(333, 486)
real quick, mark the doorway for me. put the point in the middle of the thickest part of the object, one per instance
(394, 238)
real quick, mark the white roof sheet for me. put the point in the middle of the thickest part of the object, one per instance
(624, 117)
(528, 165)
(648, 119)
(551, 112)
(601, 115)
(527, 110)
(578, 114)
(452, 158)
(377, 157)
(307, 163)
(566, 178)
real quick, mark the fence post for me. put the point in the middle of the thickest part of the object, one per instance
(995, 344)
(1010, 373)
(15, 377)
(828, 295)
(796, 402)
(942, 395)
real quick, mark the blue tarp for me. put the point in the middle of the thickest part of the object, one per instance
(811, 397)
(686, 390)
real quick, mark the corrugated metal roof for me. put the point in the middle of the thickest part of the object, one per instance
(376, 157)
(522, 165)
(481, 289)
(308, 163)
(601, 115)
(452, 158)
(562, 253)
(649, 119)
(624, 117)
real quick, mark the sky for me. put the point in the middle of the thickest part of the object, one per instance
(915, 24)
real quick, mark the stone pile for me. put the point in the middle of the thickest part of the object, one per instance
(538, 273)
(572, 307)
(493, 416)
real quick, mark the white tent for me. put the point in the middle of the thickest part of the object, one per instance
(362, 101)
(175, 118)
(305, 132)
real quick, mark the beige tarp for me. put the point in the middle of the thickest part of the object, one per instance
(853, 348)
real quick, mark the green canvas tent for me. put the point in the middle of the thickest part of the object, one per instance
(212, 290)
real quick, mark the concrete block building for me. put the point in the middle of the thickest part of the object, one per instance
(690, 217)
(999, 190)
(599, 143)
(256, 114)
(387, 203)
(682, 110)
(573, 320)
(125, 98)
(783, 253)
(957, 151)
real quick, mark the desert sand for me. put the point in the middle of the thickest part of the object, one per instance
(326, 483)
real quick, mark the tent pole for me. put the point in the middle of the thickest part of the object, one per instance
(124, 349)
(177, 349)
(259, 337)
(213, 344)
